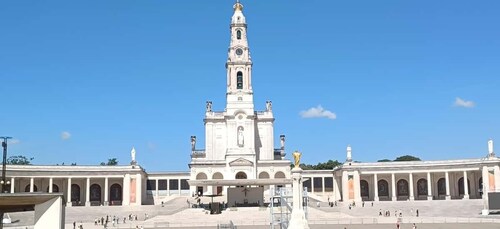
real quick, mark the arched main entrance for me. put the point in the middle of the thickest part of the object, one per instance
(115, 194)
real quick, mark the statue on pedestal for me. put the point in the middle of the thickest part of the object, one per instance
(193, 143)
(491, 153)
(132, 156)
(296, 157)
(209, 106)
(269, 106)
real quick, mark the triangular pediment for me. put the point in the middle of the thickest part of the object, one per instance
(241, 162)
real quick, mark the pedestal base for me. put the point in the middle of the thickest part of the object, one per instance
(298, 220)
(448, 197)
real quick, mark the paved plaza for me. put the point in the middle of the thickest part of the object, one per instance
(176, 214)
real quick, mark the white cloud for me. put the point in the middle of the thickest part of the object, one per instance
(65, 135)
(463, 103)
(14, 141)
(318, 112)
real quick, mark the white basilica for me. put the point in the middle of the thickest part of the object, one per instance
(240, 162)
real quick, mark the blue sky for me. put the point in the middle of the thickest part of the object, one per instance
(84, 81)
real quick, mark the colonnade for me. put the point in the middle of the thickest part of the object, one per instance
(127, 189)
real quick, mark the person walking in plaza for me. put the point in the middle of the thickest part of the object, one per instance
(414, 226)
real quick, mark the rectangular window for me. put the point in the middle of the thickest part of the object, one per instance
(151, 184)
(184, 184)
(174, 184)
(162, 185)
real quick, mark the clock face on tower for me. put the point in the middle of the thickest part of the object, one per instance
(239, 52)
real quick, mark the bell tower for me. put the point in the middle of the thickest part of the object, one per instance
(239, 66)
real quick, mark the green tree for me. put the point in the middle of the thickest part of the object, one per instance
(407, 158)
(111, 161)
(330, 164)
(384, 160)
(19, 160)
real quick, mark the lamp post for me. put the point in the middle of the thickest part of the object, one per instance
(3, 182)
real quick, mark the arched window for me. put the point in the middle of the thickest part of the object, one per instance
(75, 193)
(441, 186)
(238, 34)
(364, 188)
(241, 175)
(239, 80)
(263, 175)
(383, 188)
(279, 175)
(95, 193)
(422, 187)
(402, 187)
(27, 188)
(461, 186)
(55, 188)
(115, 194)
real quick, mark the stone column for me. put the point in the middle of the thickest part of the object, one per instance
(87, 192)
(51, 182)
(126, 190)
(106, 191)
(497, 178)
(168, 188)
(156, 189)
(179, 186)
(336, 190)
(375, 182)
(466, 186)
(357, 187)
(393, 184)
(323, 185)
(312, 185)
(429, 186)
(32, 185)
(138, 189)
(486, 183)
(69, 204)
(447, 181)
(412, 196)
(298, 218)
(12, 184)
(345, 188)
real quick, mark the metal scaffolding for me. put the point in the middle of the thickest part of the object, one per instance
(281, 206)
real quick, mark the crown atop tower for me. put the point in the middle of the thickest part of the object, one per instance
(238, 6)
(238, 17)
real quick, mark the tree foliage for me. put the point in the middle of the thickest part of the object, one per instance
(384, 160)
(330, 164)
(407, 158)
(111, 161)
(402, 158)
(19, 160)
